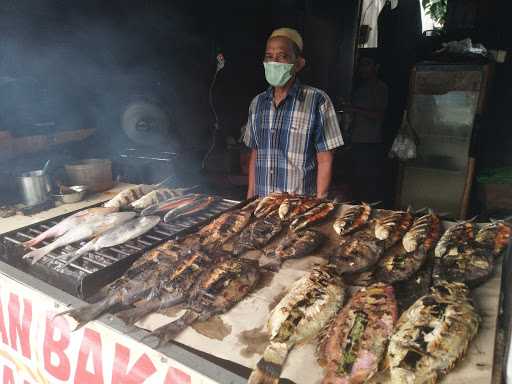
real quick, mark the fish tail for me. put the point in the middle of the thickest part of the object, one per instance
(131, 316)
(36, 240)
(268, 369)
(169, 331)
(90, 312)
(38, 254)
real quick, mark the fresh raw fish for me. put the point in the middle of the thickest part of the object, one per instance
(300, 315)
(82, 217)
(495, 236)
(357, 253)
(193, 207)
(432, 335)
(170, 204)
(158, 196)
(425, 231)
(259, 233)
(294, 245)
(356, 339)
(312, 216)
(353, 218)
(81, 232)
(216, 291)
(115, 236)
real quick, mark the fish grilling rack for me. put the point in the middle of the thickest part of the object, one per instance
(86, 275)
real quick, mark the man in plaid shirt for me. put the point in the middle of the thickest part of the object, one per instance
(292, 128)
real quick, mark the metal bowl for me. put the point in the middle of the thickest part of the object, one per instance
(71, 194)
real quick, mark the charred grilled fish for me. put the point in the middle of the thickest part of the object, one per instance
(470, 264)
(294, 245)
(424, 231)
(146, 285)
(259, 233)
(410, 290)
(115, 236)
(287, 206)
(495, 236)
(432, 335)
(193, 207)
(81, 232)
(306, 204)
(158, 196)
(398, 265)
(357, 253)
(352, 219)
(312, 216)
(215, 292)
(392, 228)
(82, 217)
(356, 340)
(309, 305)
(224, 227)
(457, 235)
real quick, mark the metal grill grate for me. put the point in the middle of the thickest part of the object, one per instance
(108, 259)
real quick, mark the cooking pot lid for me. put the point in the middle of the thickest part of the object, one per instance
(146, 123)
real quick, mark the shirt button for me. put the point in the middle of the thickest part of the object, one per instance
(271, 172)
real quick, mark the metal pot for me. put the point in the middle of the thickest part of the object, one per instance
(34, 187)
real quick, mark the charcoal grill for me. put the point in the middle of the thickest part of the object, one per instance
(86, 275)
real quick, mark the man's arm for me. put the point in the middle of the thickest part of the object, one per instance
(324, 173)
(251, 190)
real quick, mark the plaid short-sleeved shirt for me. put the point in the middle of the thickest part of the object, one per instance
(288, 137)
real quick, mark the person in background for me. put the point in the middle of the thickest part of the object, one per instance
(292, 128)
(368, 108)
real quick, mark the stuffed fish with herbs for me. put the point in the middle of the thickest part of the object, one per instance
(355, 341)
(300, 315)
(432, 335)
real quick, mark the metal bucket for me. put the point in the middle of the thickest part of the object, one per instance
(96, 174)
(34, 187)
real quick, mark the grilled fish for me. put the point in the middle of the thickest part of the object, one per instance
(309, 305)
(269, 203)
(259, 233)
(129, 195)
(312, 216)
(352, 219)
(357, 253)
(115, 236)
(287, 206)
(81, 232)
(398, 265)
(224, 227)
(424, 231)
(215, 292)
(458, 234)
(294, 245)
(495, 236)
(356, 340)
(470, 264)
(145, 285)
(392, 228)
(306, 204)
(432, 335)
(410, 290)
(158, 196)
(193, 207)
(70, 222)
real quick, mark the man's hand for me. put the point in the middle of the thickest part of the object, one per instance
(251, 190)
(324, 173)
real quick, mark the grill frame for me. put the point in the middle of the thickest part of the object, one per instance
(86, 283)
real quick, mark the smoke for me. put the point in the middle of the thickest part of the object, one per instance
(76, 64)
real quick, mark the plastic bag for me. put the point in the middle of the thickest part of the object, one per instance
(404, 145)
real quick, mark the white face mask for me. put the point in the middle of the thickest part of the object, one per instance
(278, 74)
